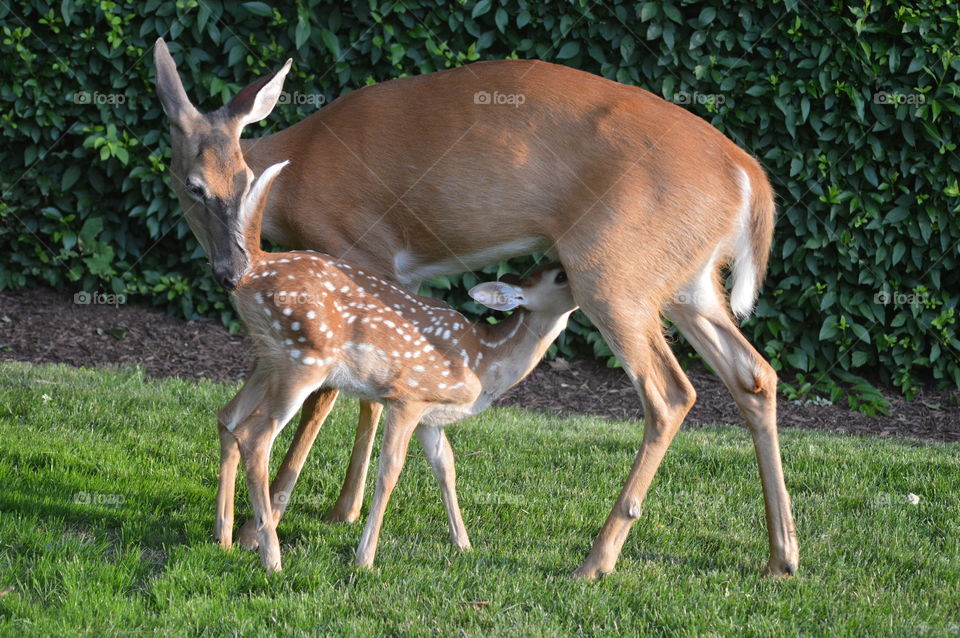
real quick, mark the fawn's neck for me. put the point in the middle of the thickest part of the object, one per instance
(513, 347)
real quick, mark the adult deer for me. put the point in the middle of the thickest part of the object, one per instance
(641, 201)
(317, 322)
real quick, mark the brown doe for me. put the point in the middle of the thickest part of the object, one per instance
(642, 202)
(317, 322)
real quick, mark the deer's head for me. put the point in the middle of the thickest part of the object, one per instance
(208, 171)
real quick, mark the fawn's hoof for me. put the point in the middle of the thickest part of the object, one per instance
(338, 516)
(247, 536)
(589, 572)
(780, 568)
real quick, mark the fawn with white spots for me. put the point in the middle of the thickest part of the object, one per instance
(321, 323)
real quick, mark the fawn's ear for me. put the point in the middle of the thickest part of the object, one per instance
(497, 295)
(258, 189)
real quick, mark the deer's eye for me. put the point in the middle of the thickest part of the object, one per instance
(196, 190)
(561, 278)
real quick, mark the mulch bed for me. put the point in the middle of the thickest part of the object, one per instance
(43, 326)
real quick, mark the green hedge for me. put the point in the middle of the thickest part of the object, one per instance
(853, 110)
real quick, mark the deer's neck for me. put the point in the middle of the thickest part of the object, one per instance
(259, 153)
(512, 348)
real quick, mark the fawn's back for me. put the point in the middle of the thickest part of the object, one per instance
(314, 317)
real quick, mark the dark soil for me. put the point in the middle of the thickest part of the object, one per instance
(43, 326)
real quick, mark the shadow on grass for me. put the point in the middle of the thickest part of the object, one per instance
(145, 520)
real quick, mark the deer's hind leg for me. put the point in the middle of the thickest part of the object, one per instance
(627, 312)
(667, 397)
(707, 324)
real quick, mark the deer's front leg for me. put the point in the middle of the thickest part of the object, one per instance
(401, 421)
(347, 507)
(315, 411)
(440, 454)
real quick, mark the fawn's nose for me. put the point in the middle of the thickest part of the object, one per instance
(227, 281)
(226, 278)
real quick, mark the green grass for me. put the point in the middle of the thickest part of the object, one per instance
(107, 484)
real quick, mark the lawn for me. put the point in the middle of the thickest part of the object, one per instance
(107, 485)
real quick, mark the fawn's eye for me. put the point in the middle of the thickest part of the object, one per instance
(561, 278)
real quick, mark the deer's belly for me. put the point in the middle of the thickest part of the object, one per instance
(410, 269)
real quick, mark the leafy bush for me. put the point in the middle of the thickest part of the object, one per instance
(852, 110)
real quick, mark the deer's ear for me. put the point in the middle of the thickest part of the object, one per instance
(255, 102)
(173, 98)
(497, 295)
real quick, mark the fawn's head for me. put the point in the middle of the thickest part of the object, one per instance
(209, 173)
(544, 291)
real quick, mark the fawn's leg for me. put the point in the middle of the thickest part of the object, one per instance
(440, 454)
(285, 392)
(229, 459)
(347, 507)
(255, 437)
(315, 411)
(401, 421)
(238, 409)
